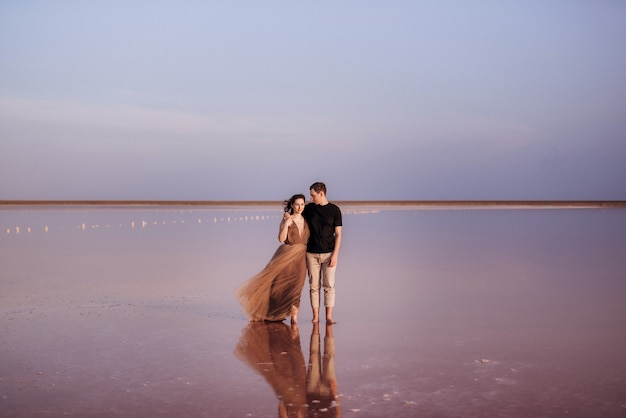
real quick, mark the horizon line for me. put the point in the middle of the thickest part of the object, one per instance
(475, 202)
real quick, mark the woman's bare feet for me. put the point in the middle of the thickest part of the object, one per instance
(294, 315)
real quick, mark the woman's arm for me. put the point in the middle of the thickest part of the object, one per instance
(284, 228)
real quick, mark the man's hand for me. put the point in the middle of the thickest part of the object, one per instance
(333, 260)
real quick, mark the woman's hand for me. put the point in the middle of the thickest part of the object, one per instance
(284, 227)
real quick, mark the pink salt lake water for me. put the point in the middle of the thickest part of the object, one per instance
(442, 312)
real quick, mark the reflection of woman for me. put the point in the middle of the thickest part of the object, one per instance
(274, 293)
(273, 350)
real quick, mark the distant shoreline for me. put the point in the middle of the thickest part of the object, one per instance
(379, 203)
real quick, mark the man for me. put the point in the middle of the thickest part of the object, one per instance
(324, 220)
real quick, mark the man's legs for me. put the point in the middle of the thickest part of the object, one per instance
(328, 282)
(321, 275)
(314, 267)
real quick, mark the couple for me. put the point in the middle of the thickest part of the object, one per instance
(311, 237)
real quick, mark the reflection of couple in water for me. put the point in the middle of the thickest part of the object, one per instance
(273, 350)
(310, 237)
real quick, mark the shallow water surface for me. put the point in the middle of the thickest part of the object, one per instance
(122, 311)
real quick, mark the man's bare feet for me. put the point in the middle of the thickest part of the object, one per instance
(316, 316)
(329, 315)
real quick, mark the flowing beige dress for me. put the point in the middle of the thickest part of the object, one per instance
(269, 295)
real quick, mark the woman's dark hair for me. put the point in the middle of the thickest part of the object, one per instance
(288, 204)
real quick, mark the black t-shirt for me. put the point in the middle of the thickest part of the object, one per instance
(322, 220)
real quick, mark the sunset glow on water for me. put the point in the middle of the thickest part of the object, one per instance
(118, 311)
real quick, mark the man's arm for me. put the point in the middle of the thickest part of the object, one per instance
(335, 255)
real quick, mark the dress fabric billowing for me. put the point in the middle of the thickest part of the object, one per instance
(269, 295)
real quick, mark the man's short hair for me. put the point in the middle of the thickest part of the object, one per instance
(318, 187)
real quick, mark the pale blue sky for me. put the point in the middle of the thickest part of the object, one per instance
(257, 100)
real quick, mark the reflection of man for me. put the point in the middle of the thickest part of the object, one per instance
(321, 383)
(273, 350)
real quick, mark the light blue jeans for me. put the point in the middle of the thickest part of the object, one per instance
(321, 275)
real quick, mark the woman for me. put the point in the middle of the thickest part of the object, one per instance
(274, 293)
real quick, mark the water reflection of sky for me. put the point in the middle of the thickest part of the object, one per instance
(423, 250)
(440, 311)
(456, 250)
